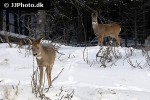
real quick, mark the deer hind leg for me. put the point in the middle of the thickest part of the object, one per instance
(118, 41)
(48, 71)
(100, 41)
(41, 76)
(110, 41)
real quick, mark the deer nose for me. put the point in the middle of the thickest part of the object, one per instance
(34, 54)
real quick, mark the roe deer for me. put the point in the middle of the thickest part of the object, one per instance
(45, 55)
(105, 30)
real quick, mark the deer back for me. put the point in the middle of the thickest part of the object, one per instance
(112, 29)
(48, 54)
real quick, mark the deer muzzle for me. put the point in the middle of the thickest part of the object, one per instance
(35, 54)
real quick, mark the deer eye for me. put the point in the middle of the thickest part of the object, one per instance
(37, 48)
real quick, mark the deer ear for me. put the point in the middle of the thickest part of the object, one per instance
(30, 40)
(96, 13)
(40, 39)
(92, 15)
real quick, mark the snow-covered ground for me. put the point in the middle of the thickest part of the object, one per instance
(85, 81)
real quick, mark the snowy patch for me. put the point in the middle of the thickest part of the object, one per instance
(83, 78)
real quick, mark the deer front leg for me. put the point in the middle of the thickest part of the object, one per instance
(110, 41)
(101, 40)
(118, 41)
(48, 71)
(41, 75)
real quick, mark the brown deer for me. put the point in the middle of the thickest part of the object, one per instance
(105, 30)
(45, 55)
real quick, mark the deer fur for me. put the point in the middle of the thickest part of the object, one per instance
(45, 56)
(105, 30)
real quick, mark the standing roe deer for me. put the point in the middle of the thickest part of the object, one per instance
(105, 30)
(45, 55)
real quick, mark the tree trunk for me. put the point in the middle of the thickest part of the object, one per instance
(16, 22)
(135, 29)
(7, 20)
(41, 22)
(126, 40)
(1, 20)
(27, 25)
(19, 22)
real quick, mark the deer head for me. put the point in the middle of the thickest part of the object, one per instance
(94, 18)
(36, 46)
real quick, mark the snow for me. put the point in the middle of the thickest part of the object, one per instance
(88, 81)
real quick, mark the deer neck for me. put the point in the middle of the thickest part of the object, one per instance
(94, 24)
(40, 55)
(95, 27)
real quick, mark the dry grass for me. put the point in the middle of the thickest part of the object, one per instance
(10, 92)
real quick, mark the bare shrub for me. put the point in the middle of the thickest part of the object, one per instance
(129, 52)
(107, 56)
(102, 92)
(10, 93)
(65, 94)
(136, 64)
(86, 58)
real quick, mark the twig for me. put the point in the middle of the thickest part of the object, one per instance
(130, 62)
(83, 54)
(57, 75)
(47, 89)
